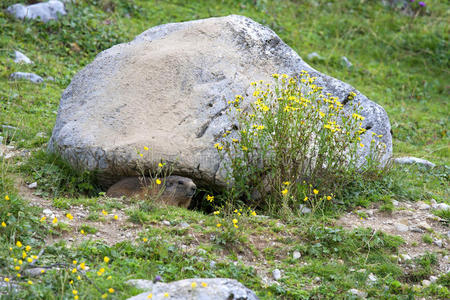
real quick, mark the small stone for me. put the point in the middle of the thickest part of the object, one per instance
(395, 202)
(21, 58)
(304, 209)
(32, 185)
(346, 62)
(212, 264)
(416, 229)
(433, 279)
(433, 202)
(44, 11)
(48, 213)
(424, 206)
(372, 278)
(405, 257)
(441, 206)
(424, 225)
(40, 134)
(426, 283)
(34, 272)
(184, 225)
(438, 243)
(401, 227)
(414, 160)
(165, 222)
(358, 293)
(201, 251)
(276, 274)
(317, 279)
(50, 78)
(26, 76)
(296, 255)
(314, 56)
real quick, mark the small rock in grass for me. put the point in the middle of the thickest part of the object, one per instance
(401, 227)
(404, 257)
(395, 202)
(441, 206)
(304, 209)
(296, 255)
(165, 222)
(32, 185)
(184, 225)
(372, 278)
(426, 283)
(21, 58)
(433, 279)
(433, 201)
(317, 279)
(314, 56)
(276, 274)
(358, 293)
(44, 11)
(34, 272)
(416, 229)
(414, 160)
(346, 62)
(438, 243)
(212, 264)
(27, 76)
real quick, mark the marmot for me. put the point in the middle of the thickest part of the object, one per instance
(178, 191)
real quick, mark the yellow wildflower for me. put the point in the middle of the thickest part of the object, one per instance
(6, 279)
(104, 212)
(28, 248)
(204, 284)
(315, 192)
(234, 221)
(104, 296)
(106, 259)
(306, 199)
(218, 225)
(210, 198)
(30, 282)
(166, 295)
(69, 216)
(3, 224)
(19, 244)
(55, 220)
(216, 212)
(328, 198)
(111, 290)
(144, 239)
(145, 148)
(194, 285)
(284, 192)
(43, 219)
(6, 197)
(150, 296)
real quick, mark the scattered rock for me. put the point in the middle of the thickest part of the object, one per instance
(404, 257)
(424, 206)
(372, 278)
(346, 62)
(50, 78)
(32, 185)
(296, 255)
(184, 225)
(442, 206)
(395, 202)
(27, 76)
(165, 222)
(34, 272)
(317, 279)
(206, 288)
(416, 229)
(276, 274)
(401, 227)
(438, 243)
(48, 213)
(212, 264)
(433, 202)
(183, 112)
(21, 58)
(426, 283)
(433, 279)
(407, 160)
(314, 56)
(304, 209)
(44, 11)
(424, 225)
(358, 293)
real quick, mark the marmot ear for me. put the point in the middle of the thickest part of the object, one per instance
(169, 183)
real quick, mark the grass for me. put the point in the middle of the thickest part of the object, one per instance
(399, 61)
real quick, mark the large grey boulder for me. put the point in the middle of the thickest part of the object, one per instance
(194, 289)
(45, 11)
(169, 88)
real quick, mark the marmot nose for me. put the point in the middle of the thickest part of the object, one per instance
(192, 190)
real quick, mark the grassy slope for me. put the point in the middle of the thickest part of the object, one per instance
(399, 61)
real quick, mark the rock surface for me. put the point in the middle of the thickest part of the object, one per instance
(195, 288)
(44, 11)
(408, 160)
(27, 76)
(21, 58)
(169, 89)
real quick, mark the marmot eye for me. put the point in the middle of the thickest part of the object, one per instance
(180, 182)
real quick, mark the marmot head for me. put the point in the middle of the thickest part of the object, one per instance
(180, 186)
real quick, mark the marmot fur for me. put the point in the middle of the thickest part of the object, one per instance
(178, 191)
